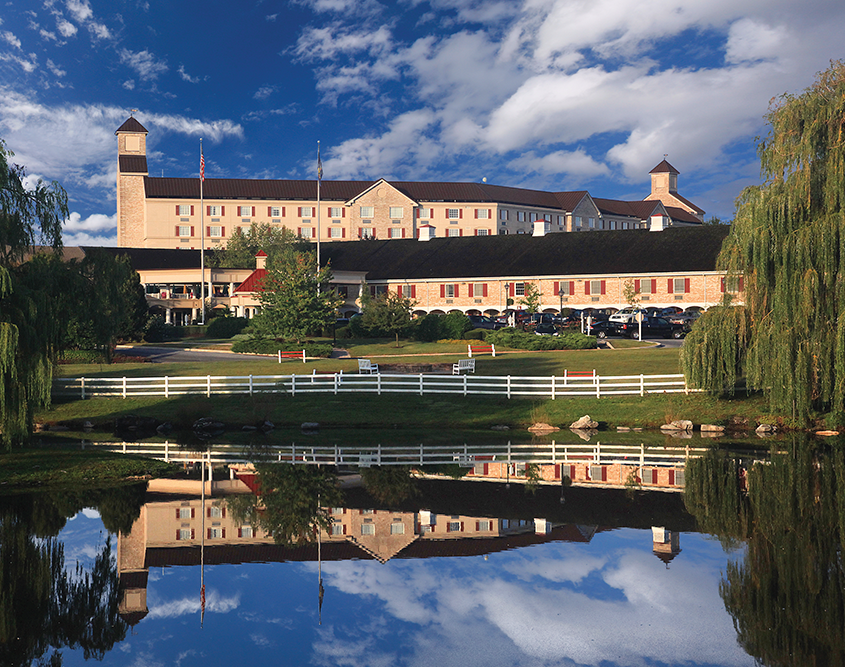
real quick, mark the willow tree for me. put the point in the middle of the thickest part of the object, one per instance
(28, 332)
(788, 242)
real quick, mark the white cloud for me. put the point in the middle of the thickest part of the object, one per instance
(357, 7)
(55, 69)
(271, 17)
(96, 222)
(751, 40)
(187, 77)
(10, 38)
(264, 92)
(99, 31)
(46, 34)
(65, 27)
(330, 42)
(27, 66)
(80, 10)
(214, 603)
(129, 84)
(144, 63)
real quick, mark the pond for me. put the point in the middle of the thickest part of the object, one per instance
(406, 570)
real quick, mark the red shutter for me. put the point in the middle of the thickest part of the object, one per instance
(418, 213)
(343, 212)
(177, 230)
(177, 209)
(476, 214)
(224, 533)
(240, 532)
(208, 533)
(343, 233)
(192, 230)
(177, 513)
(457, 290)
(360, 233)
(486, 468)
(192, 209)
(489, 213)
(253, 211)
(513, 289)
(686, 285)
(431, 213)
(654, 285)
(299, 231)
(603, 286)
(269, 215)
(208, 511)
(462, 526)
(283, 211)
(557, 471)
(671, 477)
(222, 231)
(208, 231)
(571, 288)
(557, 288)
(193, 513)
(604, 473)
(722, 284)
(298, 211)
(222, 210)
(403, 232)
(208, 210)
(471, 290)
(636, 285)
(443, 291)
(587, 287)
(177, 532)
(475, 233)
(742, 283)
(224, 512)
(484, 289)
(193, 532)
(477, 526)
(460, 213)
(670, 285)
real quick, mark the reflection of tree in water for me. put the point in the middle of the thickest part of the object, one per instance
(390, 485)
(291, 501)
(43, 606)
(786, 596)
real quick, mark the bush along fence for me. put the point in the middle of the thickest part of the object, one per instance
(510, 386)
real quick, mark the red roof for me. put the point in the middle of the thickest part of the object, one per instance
(253, 282)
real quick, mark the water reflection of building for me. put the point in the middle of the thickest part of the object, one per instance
(666, 543)
(168, 533)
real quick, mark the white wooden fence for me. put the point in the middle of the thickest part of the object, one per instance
(509, 386)
(553, 452)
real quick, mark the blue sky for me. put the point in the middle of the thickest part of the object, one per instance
(547, 94)
(609, 602)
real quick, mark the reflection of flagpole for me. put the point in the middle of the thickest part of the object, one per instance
(202, 548)
(319, 179)
(202, 238)
(320, 589)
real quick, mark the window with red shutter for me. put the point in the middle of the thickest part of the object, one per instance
(457, 290)
(222, 210)
(192, 209)
(192, 230)
(587, 287)
(603, 286)
(571, 288)
(442, 291)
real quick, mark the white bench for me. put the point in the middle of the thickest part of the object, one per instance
(463, 365)
(367, 366)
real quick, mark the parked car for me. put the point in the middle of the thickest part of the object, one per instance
(653, 327)
(687, 317)
(626, 315)
(603, 329)
(544, 329)
(484, 322)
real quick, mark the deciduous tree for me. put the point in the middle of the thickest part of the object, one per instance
(390, 312)
(788, 242)
(243, 246)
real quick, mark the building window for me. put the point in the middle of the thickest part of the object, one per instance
(407, 291)
(336, 511)
(532, 217)
(367, 233)
(215, 512)
(335, 212)
(184, 230)
(591, 223)
(337, 529)
(484, 525)
(368, 529)
(453, 526)
(520, 216)
(216, 533)
(453, 213)
(482, 213)
(214, 210)
(367, 212)
(397, 528)
(306, 232)
(424, 213)
(215, 231)
(396, 233)
(519, 289)
(450, 291)
(454, 232)
(595, 286)
(396, 212)
(184, 209)
(184, 534)
(645, 287)
(275, 211)
(245, 211)
(185, 512)
(578, 221)
(503, 215)
(245, 531)
(481, 232)
(733, 284)
(336, 232)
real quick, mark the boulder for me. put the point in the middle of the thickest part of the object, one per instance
(500, 427)
(712, 428)
(827, 432)
(677, 425)
(585, 433)
(541, 427)
(766, 429)
(623, 429)
(164, 429)
(584, 423)
(310, 426)
(206, 428)
(266, 426)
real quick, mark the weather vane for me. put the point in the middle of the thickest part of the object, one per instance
(132, 112)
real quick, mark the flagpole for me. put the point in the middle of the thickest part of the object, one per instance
(202, 238)
(319, 178)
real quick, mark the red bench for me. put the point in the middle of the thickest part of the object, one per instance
(480, 349)
(294, 354)
(579, 375)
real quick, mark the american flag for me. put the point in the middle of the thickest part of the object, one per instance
(202, 166)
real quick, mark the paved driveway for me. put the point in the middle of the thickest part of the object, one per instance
(159, 354)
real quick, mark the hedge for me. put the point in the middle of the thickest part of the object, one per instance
(521, 340)
(272, 346)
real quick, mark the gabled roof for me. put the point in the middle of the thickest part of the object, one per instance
(253, 283)
(641, 210)
(132, 164)
(682, 215)
(345, 191)
(687, 202)
(131, 125)
(674, 250)
(663, 167)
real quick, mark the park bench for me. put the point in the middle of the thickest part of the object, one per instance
(367, 366)
(463, 366)
(293, 354)
(481, 349)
